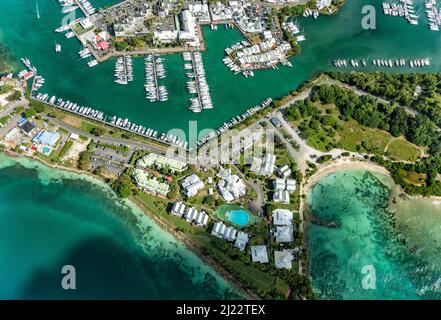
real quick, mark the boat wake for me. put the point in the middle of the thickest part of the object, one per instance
(38, 10)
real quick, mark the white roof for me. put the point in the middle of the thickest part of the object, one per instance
(282, 217)
(259, 254)
(283, 259)
(241, 240)
(284, 234)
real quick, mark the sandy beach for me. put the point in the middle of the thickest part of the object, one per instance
(339, 165)
(397, 193)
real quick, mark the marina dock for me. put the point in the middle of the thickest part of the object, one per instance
(100, 117)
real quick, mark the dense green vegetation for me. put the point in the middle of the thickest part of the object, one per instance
(401, 88)
(324, 128)
(5, 88)
(124, 186)
(367, 111)
(15, 96)
(388, 117)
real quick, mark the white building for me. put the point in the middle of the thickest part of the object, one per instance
(178, 209)
(289, 185)
(194, 216)
(283, 259)
(282, 217)
(323, 4)
(221, 231)
(192, 185)
(284, 172)
(189, 32)
(268, 165)
(230, 187)
(241, 240)
(284, 234)
(259, 254)
(281, 196)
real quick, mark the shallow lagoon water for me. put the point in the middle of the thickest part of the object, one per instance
(404, 251)
(50, 218)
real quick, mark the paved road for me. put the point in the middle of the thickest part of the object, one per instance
(110, 140)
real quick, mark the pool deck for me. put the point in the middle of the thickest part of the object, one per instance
(223, 210)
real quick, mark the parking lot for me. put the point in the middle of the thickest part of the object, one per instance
(111, 158)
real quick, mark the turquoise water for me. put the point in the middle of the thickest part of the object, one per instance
(238, 217)
(363, 233)
(339, 36)
(49, 219)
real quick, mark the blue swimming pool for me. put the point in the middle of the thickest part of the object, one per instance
(238, 217)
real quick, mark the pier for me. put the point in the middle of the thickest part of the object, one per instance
(196, 78)
(80, 6)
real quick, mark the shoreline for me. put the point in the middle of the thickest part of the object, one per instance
(397, 194)
(189, 244)
(192, 246)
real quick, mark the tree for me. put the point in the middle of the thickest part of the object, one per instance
(15, 96)
(97, 131)
(124, 186)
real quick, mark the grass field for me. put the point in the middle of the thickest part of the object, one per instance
(415, 178)
(355, 137)
(401, 149)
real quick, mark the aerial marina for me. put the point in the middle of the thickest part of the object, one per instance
(404, 9)
(197, 82)
(254, 131)
(123, 70)
(154, 72)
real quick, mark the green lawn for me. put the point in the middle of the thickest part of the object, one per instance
(401, 149)
(355, 137)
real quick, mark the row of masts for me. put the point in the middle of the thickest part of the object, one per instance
(389, 63)
(197, 83)
(124, 70)
(155, 70)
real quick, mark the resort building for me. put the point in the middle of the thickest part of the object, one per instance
(259, 254)
(268, 165)
(230, 187)
(291, 185)
(194, 216)
(200, 11)
(192, 185)
(283, 259)
(221, 231)
(189, 26)
(241, 240)
(284, 172)
(281, 196)
(256, 164)
(153, 159)
(46, 138)
(282, 217)
(282, 184)
(178, 209)
(150, 185)
(265, 166)
(284, 234)
(186, 31)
